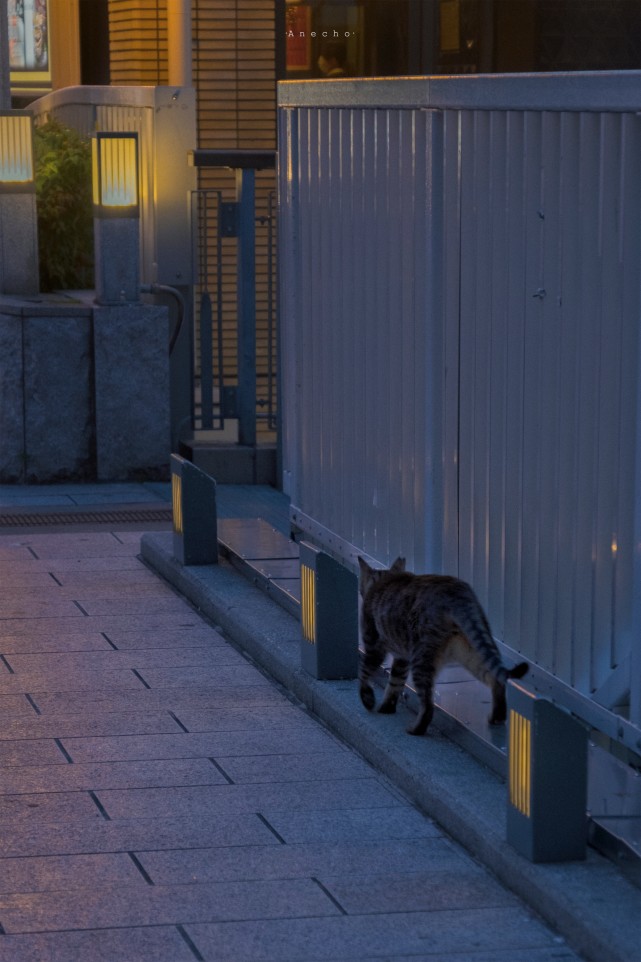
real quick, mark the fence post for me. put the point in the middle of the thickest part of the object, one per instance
(246, 198)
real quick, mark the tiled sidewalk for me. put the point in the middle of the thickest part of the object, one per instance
(162, 800)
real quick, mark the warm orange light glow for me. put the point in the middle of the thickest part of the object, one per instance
(115, 170)
(308, 603)
(16, 153)
(520, 760)
(176, 494)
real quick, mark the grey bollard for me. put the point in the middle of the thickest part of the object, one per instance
(194, 511)
(547, 779)
(329, 616)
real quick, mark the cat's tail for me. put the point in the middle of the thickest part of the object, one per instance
(519, 670)
(477, 629)
(501, 673)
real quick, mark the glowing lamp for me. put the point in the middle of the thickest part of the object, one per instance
(115, 174)
(547, 779)
(329, 615)
(16, 152)
(116, 217)
(18, 219)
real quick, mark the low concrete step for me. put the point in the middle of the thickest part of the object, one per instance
(233, 463)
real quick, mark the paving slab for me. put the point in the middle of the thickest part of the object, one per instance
(316, 860)
(53, 593)
(97, 724)
(112, 625)
(190, 636)
(31, 609)
(372, 936)
(212, 656)
(349, 825)
(175, 699)
(198, 744)
(92, 836)
(409, 890)
(97, 776)
(56, 642)
(46, 807)
(125, 905)
(73, 681)
(31, 751)
(160, 944)
(255, 769)
(269, 798)
(14, 705)
(60, 872)
(236, 718)
(223, 675)
(556, 953)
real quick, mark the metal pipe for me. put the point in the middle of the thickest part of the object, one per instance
(179, 43)
(173, 292)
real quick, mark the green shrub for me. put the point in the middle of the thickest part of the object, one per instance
(65, 215)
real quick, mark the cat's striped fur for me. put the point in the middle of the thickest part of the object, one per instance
(425, 621)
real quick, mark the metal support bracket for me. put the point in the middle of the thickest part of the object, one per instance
(229, 219)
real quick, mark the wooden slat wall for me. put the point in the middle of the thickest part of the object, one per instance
(234, 73)
(138, 41)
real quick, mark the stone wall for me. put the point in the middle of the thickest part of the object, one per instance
(84, 391)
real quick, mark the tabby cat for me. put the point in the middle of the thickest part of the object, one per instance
(425, 621)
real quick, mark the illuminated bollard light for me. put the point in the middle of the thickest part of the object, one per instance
(329, 616)
(194, 511)
(116, 207)
(547, 779)
(18, 217)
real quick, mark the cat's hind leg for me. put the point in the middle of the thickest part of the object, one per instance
(499, 704)
(371, 660)
(397, 678)
(423, 678)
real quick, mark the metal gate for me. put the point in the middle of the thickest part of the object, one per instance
(234, 236)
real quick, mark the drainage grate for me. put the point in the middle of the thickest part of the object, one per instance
(128, 516)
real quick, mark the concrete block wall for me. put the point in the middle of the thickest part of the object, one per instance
(84, 391)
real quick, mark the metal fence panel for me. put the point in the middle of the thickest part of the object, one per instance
(461, 273)
(365, 370)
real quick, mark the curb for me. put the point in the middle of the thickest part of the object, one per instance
(589, 903)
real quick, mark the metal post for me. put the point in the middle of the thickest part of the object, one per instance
(245, 197)
(179, 54)
(5, 84)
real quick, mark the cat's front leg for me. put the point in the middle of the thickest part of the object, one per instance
(397, 678)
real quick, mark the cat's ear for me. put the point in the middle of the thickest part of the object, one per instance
(398, 565)
(363, 565)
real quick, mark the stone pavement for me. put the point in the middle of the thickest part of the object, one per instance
(163, 800)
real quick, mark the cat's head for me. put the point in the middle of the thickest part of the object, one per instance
(369, 576)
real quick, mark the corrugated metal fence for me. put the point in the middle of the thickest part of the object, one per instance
(461, 304)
